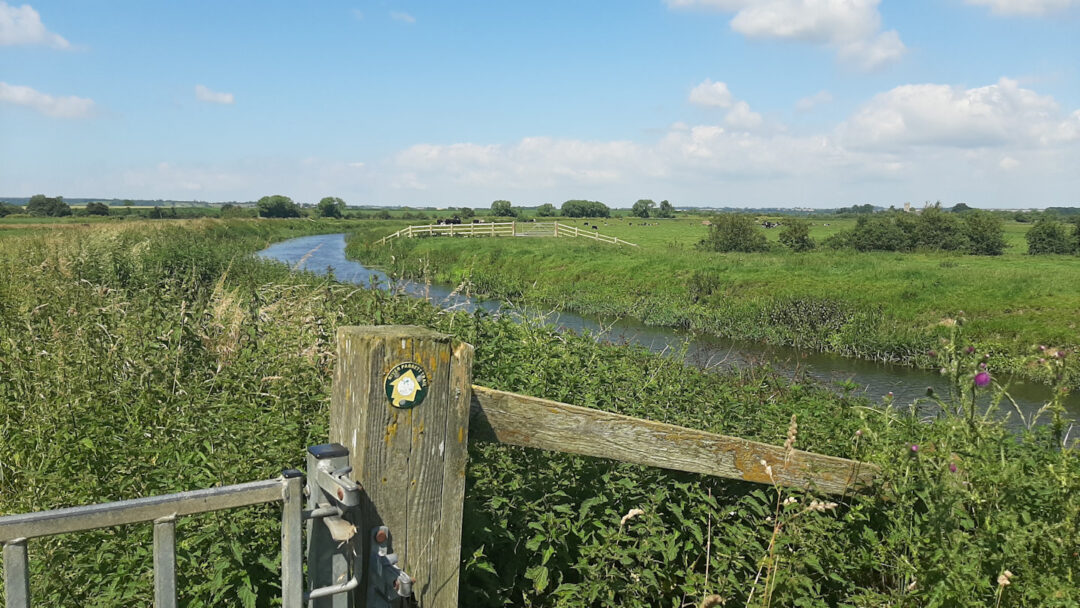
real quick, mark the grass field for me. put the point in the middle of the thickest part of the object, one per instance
(154, 357)
(884, 306)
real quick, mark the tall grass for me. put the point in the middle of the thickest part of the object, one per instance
(148, 360)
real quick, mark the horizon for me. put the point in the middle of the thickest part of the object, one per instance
(725, 103)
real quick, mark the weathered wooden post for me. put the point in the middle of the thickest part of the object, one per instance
(400, 403)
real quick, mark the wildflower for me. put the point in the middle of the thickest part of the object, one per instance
(790, 500)
(932, 353)
(912, 585)
(1004, 579)
(982, 366)
(914, 448)
(970, 350)
(1041, 360)
(858, 433)
(943, 371)
(890, 393)
(631, 514)
(952, 467)
(712, 601)
(1042, 348)
(1060, 354)
(982, 379)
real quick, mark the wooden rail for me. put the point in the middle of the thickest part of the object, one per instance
(534, 229)
(404, 405)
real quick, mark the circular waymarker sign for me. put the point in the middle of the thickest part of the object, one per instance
(406, 385)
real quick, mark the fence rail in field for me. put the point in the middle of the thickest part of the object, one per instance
(535, 229)
(402, 411)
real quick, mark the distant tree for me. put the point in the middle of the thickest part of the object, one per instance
(1076, 234)
(502, 209)
(8, 209)
(42, 205)
(1048, 236)
(734, 232)
(382, 214)
(128, 203)
(938, 230)
(665, 210)
(466, 213)
(961, 208)
(277, 206)
(580, 208)
(984, 232)
(331, 206)
(1024, 217)
(97, 209)
(546, 210)
(796, 235)
(642, 208)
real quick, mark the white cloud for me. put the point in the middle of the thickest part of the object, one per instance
(402, 17)
(852, 28)
(204, 94)
(1025, 7)
(811, 101)
(742, 117)
(711, 94)
(1000, 114)
(22, 25)
(57, 107)
(1007, 163)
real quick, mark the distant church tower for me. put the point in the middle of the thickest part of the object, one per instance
(907, 207)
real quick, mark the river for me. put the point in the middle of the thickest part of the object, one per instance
(326, 252)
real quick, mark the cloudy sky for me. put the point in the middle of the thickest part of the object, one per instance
(703, 102)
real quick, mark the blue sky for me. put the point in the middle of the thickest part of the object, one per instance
(814, 103)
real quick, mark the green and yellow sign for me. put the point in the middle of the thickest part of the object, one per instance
(406, 385)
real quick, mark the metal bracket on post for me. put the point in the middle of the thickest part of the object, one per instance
(331, 550)
(387, 583)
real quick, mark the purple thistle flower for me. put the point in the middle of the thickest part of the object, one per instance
(1061, 354)
(1042, 348)
(970, 349)
(982, 366)
(952, 467)
(982, 379)
(932, 353)
(914, 448)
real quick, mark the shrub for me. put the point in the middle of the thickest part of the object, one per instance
(642, 208)
(502, 209)
(939, 230)
(665, 210)
(546, 210)
(277, 206)
(97, 209)
(796, 235)
(1048, 236)
(984, 233)
(579, 208)
(331, 206)
(51, 207)
(734, 232)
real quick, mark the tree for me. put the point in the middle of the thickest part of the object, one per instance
(382, 214)
(665, 210)
(8, 209)
(466, 213)
(961, 208)
(734, 232)
(128, 203)
(277, 206)
(796, 235)
(642, 208)
(97, 209)
(580, 208)
(502, 209)
(984, 233)
(1048, 236)
(938, 230)
(331, 206)
(546, 210)
(52, 207)
(1076, 234)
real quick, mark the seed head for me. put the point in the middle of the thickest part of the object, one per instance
(1004, 579)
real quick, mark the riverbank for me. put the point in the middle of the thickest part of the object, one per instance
(874, 306)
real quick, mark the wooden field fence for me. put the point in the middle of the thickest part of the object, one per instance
(491, 229)
(385, 496)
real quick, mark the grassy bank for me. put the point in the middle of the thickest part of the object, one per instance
(162, 358)
(879, 306)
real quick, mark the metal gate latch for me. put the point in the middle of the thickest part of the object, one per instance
(387, 583)
(331, 556)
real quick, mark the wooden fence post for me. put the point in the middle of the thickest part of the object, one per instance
(400, 403)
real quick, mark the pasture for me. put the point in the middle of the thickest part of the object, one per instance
(876, 305)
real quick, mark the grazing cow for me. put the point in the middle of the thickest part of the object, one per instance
(594, 227)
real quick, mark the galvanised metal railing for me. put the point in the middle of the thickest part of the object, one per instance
(15, 530)
(330, 496)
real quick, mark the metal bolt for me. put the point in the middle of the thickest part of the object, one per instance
(380, 536)
(340, 494)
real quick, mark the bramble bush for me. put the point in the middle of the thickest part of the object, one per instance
(150, 359)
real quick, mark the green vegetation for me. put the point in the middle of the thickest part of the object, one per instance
(875, 305)
(48, 206)
(154, 358)
(331, 206)
(277, 206)
(502, 209)
(934, 229)
(734, 232)
(1048, 237)
(579, 208)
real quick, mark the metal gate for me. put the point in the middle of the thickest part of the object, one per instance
(333, 565)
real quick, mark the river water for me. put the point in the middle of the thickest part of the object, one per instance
(323, 253)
